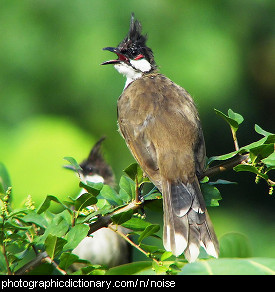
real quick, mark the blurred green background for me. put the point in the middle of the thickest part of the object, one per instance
(56, 100)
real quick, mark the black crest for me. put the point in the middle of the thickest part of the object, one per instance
(95, 164)
(135, 43)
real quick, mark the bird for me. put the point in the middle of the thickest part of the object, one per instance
(104, 247)
(160, 124)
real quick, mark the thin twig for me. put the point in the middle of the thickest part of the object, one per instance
(235, 139)
(132, 243)
(137, 190)
(6, 259)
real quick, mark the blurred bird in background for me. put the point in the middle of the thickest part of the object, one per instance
(103, 247)
(160, 124)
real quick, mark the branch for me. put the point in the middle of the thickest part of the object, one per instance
(105, 221)
(41, 257)
(229, 164)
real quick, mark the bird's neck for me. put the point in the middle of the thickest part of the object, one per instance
(130, 74)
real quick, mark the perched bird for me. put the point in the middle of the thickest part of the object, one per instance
(95, 168)
(160, 124)
(103, 247)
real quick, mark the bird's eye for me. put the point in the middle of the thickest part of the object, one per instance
(138, 57)
(89, 169)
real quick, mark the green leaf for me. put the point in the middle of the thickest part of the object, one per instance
(43, 269)
(221, 157)
(91, 187)
(58, 226)
(234, 245)
(266, 140)
(122, 217)
(136, 268)
(5, 181)
(225, 266)
(234, 125)
(153, 194)
(222, 182)
(235, 116)
(33, 217)
(84, 201)
(93, 270)
(250, 168)
(211, 195)
(160, 269)
(47, 202)
(148, 231)
(127, 189)
(75, 236)
(110, 195)
(67, 259)
(75, 165)
(260, 152)
(136, 224)
(270, 160)
(166, 255)
(261, 131)
(54, 245)
(151, 248)
(134, 171)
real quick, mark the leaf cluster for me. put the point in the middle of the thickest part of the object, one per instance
(260, 154)
(41, 240)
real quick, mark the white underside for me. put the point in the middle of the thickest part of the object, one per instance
(104, 247)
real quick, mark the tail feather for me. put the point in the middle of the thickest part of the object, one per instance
(208, 237)
(193, 249)
(175, 231)
(187, 225)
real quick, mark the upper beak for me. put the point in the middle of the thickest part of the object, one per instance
(71, 167)
(121, 57)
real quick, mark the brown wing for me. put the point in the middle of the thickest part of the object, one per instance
(160, 124)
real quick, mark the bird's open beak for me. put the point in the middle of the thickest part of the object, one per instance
(121, 57)
(70, 167)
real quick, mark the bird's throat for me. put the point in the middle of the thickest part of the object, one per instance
(130, 73)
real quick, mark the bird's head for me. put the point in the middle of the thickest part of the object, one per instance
(134, 57)
(94, 168)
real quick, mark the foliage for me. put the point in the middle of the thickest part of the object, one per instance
(40, 240)
(261, 153)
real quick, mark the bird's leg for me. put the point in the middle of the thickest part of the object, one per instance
(139, 196)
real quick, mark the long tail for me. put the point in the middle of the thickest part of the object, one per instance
(187, 225)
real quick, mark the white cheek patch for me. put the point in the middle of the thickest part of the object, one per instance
(134, 71)
(95, 178)
(142, 65)
(127, 71)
